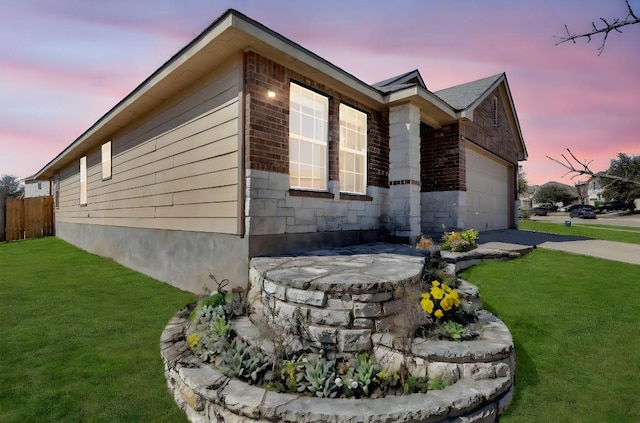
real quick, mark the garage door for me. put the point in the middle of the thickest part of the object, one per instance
(488, 203)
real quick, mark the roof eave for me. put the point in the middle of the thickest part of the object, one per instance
(433, 109)
(243, 33)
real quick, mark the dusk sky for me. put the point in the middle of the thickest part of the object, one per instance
(65, 63)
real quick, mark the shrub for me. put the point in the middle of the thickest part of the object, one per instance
(424, 243)
(460, 241)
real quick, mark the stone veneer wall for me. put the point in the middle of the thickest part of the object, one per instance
(443, 209)
(272, 208)
(333, 309)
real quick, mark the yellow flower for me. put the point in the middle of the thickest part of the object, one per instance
(435, 283)
(455, 297)
(425, 295)
(193, 339)
(446, 288)
(438, 314)
(446, 303)
(437, 293)
(427, 305)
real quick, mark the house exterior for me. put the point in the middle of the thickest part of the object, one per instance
(244, 144)
(595, 192)
(36, 188)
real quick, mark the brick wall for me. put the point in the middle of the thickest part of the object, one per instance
(267, 122)
(442, 159)
(497, 139)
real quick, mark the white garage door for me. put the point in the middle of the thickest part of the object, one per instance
(488, 204)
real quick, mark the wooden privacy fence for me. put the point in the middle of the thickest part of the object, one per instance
(28, 218)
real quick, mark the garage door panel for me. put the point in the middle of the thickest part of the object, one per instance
(487, 193)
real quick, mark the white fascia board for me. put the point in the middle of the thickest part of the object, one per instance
(407, 94)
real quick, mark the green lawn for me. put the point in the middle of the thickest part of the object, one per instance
(604, 232)
(79, 337)
(575, 321)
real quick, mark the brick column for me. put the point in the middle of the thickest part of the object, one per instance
(404, 170)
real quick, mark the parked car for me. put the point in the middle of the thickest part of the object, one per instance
(570, 207)
(614, 205)
(548, 207)
(538, 211)
(585, 212)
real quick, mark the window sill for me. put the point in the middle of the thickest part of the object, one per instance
(355, 197)
(314, 194)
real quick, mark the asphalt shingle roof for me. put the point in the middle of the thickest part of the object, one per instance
(460, 97)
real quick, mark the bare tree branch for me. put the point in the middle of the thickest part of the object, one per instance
(603, 27)
(579, 168)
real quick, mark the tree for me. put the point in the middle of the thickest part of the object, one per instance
(10, 186)
(579, 168)
(523, 184)
(553, 193)
(603, 26)
(627, 188)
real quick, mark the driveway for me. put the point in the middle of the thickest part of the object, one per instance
(609, 250)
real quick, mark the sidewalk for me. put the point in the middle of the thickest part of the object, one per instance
(609, 250)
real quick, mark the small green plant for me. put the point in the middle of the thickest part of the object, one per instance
(453, 330)
(460, 241)
(415, 384)
(290, 374)
(436, 384)
(366, 369)
(318, 376)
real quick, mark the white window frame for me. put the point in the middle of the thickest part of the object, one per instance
(313, 139)
(106, 160)
(353, 145)
(83, 181)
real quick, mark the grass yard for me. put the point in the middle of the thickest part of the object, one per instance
(605, 232)
(79, 337)
(575, 321)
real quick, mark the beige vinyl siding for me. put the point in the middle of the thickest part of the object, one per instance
(176, 169)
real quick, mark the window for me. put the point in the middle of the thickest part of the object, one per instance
(83, 181)
(353, 150)
(308, 127)
(39, 185)
(106, 160)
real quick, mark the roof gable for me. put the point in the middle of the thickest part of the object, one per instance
(464, 96)
(399, 82)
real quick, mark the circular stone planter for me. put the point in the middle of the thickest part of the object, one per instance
(482, 369)
(346, 298)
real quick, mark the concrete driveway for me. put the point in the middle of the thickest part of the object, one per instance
(610, 250)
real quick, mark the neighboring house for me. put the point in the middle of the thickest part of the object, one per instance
(525, 199)
(36, 188)
(244, 143)
(594, 191)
